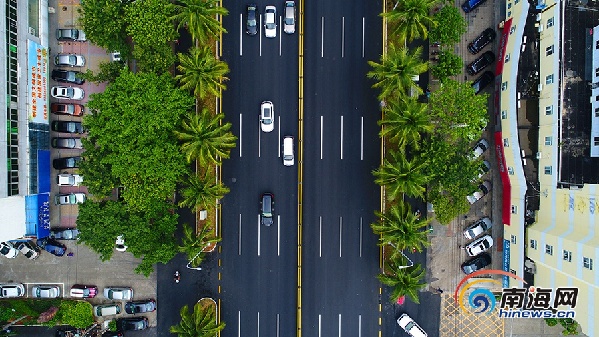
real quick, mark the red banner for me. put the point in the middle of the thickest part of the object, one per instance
(506, 208)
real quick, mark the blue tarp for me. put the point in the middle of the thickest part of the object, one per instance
(43, 171)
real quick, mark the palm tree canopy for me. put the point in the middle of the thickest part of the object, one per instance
(411, 19)
(204, 138)
(400, 176)
(405, 281)
(405, 122)
(199, 323)
(200, 18)
(202, 72)
(401, 228)
(193, 245)
(396, 73)
(199, 192)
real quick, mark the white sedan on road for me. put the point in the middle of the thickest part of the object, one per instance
(68, 92)
(267, 116)
(270, 22)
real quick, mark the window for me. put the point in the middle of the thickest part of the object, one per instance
(506, 142)
(503, 86)
(595, 141)
(597, 98)
(548, 140)
(550, 22)
(547, 169)
(596, 71)
(516, 2)
(597, 45)
(549, 110)
(513, 239)
(549, 79)
(549, 249)
(596, 112)
(587, 262)
(567, 255)
(508, 15)
(514, 209)
(509, 5)
(533, 244)
(549, 50)
(507, 58)
(503, 114)
(510, 170)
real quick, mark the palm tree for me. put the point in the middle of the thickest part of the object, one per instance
(405, 281)
(202, 72)
(401, 228)
(400, 176)
(405, 121)
(199, 323)
(395, 74)
(193, 245)
(200, 18)
(204, 138)
(411, 19)
(200, 192)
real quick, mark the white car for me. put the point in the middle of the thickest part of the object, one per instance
(270, 22)
(68, 92)
(477, 228)
(288, 155)
(410, 327)
(70, 199)
(45, 291)
(118, 293)
(120, 244)
(289, 21)
(480, 148)
(69, 60)
(8, 250)
(12, 290)
(480, 245)
(483, 189)
(66, 179)
(29, 249)
(267, 116)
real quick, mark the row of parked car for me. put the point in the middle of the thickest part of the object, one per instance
(32, 250)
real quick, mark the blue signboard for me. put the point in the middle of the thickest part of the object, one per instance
(37, 213)
(506, 262)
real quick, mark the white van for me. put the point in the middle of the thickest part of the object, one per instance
(107, 309)
(410, 327)
(288, 156)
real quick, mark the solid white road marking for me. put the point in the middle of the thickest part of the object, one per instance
(340, 233)
(240, 34)
(278, 325)
(239, 324)
(339, 325)
(279, 151)
(320, 238)
(240, 133)
(362, 138)
(259, 138)
(280, 33)
(363, 33)
(321, 127)
(341, 137)
(258, 323)
(359, 325)
(239, 238)
(322, 36)
(319, 325)
(260, 32)
(258, 234)
(278, 235)
(360, 236)
(342, 36)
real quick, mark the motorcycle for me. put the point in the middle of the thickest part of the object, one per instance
(177, 277)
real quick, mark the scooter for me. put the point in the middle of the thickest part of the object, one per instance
(177, 277)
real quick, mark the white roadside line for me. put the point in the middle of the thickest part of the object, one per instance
(362, 138)
(278, 325)
(278, 235)
(260, 32)
(340, 233)
(360, 236)
(240, 133)
(239, 324)
(279, 151)
(322, 36)
(342, 36)
(363, 33)
(341, 137)
(339, 325)
(239, 237)
(321, 126)
(240, 34)
(259, 139)
(258, 323)
(359, 325)
(280, 33)
(320, 238)
(258, 234)
(319, 325)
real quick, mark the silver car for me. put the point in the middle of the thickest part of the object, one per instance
(69, 60)
(479, 245)
(70, 199)
(118, 293)
(70, 34)
(267, 116)
(45, 291)
(477, 228)
(289, 21)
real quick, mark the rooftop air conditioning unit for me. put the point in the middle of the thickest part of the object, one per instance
(540, 28)
(539, 155)
(539, 17)
(540, 87)
(31, 30)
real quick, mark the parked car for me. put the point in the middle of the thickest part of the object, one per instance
(479, 245)
(69, 332)
(29, 249)
(410, 326)
(483, 169)
(45, 291)
(139, 307)
(67, 179)
(66, 163)
(66, 34)
(483, 81)
(470, 5)
(67, 93)
(267, 116)
(476, 263)
(112, 334)
(270, 22)
(67, 127)
(69, 109)
(267, 208)
(66, 143)
(8, 250)
(483, 61)
(289, 20)
(480, 148)
(67, 76)
(477, 228)
(486, 37)
(70, 199)
(69, 60)
(133, 323)
(10, 290)
(53, 246)
(109, 309)
(120, 244)
(251, 28)
(118, 293)
(483, 189)
(64, 233)
(84, 291)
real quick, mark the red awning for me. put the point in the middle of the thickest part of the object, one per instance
(506, 208)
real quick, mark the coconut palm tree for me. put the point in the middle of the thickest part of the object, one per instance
(204, 138)
(202, 72)
(401, 228)
(200, 18)
(400, 176)
(200, 192)
(405, 121)
(405, 281)
(395, 74)
(193, 245)
(411, 19)
(199, 323)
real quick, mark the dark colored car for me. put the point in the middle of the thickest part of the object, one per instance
(482, 82)
(68, 127)
(486, 37)
(138, 307)
(66, 143)
(67, 76)
(69, 332)
(481, 63)
(267, 208)
(66, 163)
(476, 263)
(470, 5)
(112, 334)
(133, 323)
(53, 247)
(69, 109)
(64, 233)
(251, 24)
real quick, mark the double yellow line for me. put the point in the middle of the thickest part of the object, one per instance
(300, 165)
